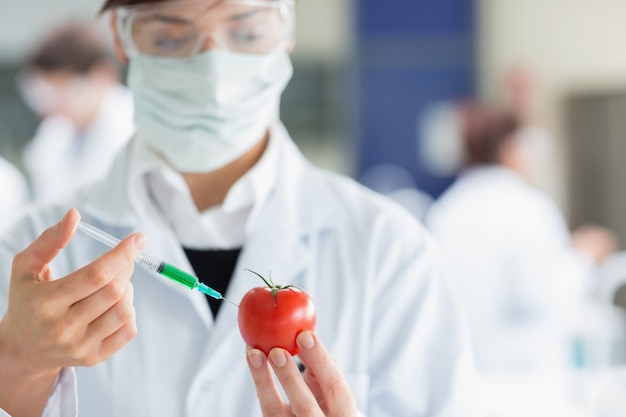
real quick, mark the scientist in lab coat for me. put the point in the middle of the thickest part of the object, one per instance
(70, 81)
(15, 193)
(508, 251)
(214, 181)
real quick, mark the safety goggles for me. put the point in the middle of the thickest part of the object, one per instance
(183, 28)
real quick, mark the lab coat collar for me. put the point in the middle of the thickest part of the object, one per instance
(115, 201)
(489, 172)
(108, 200)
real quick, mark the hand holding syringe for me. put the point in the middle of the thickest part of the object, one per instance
(153, 264)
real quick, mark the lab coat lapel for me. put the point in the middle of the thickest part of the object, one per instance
(166, 246)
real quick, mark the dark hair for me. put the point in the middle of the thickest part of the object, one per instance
(74, 47)
(484, 129)
(112, 4)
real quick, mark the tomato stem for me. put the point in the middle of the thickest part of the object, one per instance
(263, 278)
(274, 287)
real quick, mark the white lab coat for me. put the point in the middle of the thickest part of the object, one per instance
(59, 159)
(509, 258)
(383, 311)
(15, 193)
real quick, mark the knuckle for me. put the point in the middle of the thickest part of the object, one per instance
(258, 378)
(18, 260)
(130, 330)
(290, 379)
(309, 409)
(62, 338)
(97, 275)
(129, 255)
(126, 252)
(123, 313)
(63, 335)
(47, 236)
(77, 351)
(272, 410)
(115, 290)
(45, 310)
(90, 360)
(337, 390)
(84, 354)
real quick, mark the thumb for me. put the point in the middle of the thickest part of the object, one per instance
(36, 257)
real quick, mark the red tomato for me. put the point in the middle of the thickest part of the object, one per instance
(272, 316)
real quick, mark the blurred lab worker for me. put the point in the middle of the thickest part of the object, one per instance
(72, 82)
(214, 181)
(508, 251)
(15, 193)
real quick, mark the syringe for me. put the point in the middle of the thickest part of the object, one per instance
(153, 264)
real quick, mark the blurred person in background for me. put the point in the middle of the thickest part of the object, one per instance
(72, 82)
(15, 193)
(517, 271)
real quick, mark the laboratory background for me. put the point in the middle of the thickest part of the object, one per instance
(388, 92)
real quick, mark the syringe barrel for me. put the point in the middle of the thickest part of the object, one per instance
(178, 275)
(150, 262)
(164, 269)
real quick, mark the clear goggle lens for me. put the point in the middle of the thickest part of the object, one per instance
(183, 28)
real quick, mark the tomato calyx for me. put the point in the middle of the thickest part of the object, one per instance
(270, 284)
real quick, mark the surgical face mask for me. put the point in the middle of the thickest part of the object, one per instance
(204, 112)
(69, 97)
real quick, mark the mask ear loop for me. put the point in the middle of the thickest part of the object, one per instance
(29, 86)
(125, 32)
(286, 11)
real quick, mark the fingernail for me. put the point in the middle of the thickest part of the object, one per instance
(255, 358)
(278, 357)
(306, 340)
(140, 241)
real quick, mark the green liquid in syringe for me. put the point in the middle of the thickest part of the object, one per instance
(187, 280)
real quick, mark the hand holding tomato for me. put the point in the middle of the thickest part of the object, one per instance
(321, 391)
(273, 316)
(276, 323)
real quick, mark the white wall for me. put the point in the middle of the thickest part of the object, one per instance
(324, 29)
(573, 45)
(23, 21)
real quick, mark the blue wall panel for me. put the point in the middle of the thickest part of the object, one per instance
(396, 99)
(411, 55)
(415, 16)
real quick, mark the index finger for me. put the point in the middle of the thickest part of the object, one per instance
(337, 397)
(92, 277)
(34, 259)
